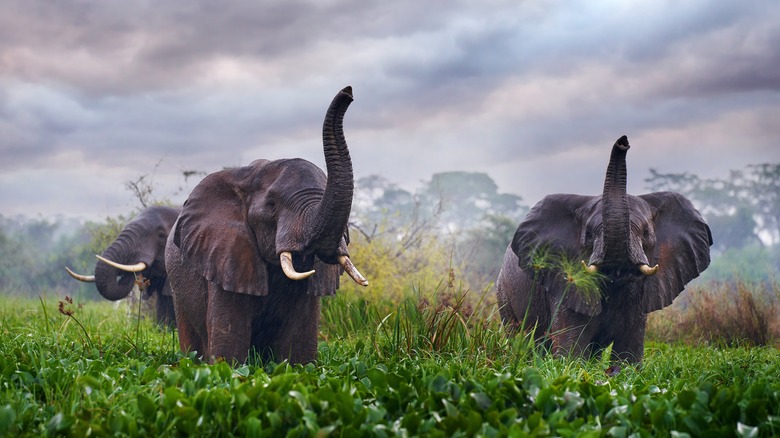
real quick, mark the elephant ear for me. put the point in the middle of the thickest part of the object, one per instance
(552, 230)
(214, 235)
(682, 248)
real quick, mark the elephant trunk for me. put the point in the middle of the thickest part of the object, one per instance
(615, 214)
(330, 220)
(112, 283)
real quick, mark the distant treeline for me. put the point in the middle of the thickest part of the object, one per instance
(459, 217)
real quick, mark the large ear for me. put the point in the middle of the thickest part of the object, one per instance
(682, 248)
(550, 231)
(214, 236)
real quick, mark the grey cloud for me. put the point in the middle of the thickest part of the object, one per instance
(438, 85)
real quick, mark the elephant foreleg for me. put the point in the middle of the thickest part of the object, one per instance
(166, 316)
(297, 340)
(629, 343)
(572, 333)
(228, 324)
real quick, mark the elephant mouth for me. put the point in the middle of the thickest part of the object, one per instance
(623, 271)
(286, 261)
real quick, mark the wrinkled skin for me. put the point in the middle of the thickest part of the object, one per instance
(614, 233)
(143, 239)
(223, 258)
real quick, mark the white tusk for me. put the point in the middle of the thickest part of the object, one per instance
(591, 268)
(289, 270)
(647, 270)
(350, 269)
(138, 267)
(79, 277)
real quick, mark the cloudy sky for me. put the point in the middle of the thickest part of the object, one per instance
(534, 93)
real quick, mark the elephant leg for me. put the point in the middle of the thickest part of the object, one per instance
(520, 299)
(166, 317)
(297, 341)
(629, 344)
(188, 291)
(228, 324)
(572, 333)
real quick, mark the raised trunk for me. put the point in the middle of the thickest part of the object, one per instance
(615, 215)
(112, 283)
(328, 224)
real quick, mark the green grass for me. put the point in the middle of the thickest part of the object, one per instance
(434, 366)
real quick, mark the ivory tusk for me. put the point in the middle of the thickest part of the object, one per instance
(289, 270)
(138, 267)
(350, 269)
(79, 277)
(647, 270)
(591, 268)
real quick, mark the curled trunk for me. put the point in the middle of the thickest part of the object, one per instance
(112, 283)
(329, 222)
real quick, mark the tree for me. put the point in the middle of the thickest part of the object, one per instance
(737, 209)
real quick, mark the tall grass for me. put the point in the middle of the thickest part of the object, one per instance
(443, 320)
(721, 313)
(436, 364)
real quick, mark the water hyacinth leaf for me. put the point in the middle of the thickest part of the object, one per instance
(59, 423)
(377, 377)
(618, 431)
(745, 431)
(482, 400)
(7, 418)
(755, 411)
(686, 398)
(252, 427)
(438, 385)
(146, 406)
(449, 408)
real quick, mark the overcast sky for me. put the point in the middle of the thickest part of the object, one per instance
(534, 93)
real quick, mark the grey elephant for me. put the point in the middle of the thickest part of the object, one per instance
(645, 248)
(255, 248)
(138, 250)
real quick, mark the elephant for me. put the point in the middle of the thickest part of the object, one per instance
(642, 251)
(139, 248)
(255, 248)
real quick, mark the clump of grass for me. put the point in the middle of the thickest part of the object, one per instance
(66, 307)
(721, 313)
(577, 278)
(442, 321)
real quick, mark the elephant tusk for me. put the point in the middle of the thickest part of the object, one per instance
(79, 277)
(350, 269)
(138, 267)
(647, 270)
(289, 270)
(591, 268)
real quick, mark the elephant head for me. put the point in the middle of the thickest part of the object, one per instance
(238, 223)
(274, 231)
(138, 249)
(647, 248)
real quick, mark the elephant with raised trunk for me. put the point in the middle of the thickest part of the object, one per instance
(255, 248)
(644, 248)
(139, 250)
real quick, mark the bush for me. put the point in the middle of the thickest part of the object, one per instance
(727, 313)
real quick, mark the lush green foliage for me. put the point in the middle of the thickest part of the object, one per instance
(381, 371)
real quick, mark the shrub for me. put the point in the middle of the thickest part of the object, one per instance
(721, 313)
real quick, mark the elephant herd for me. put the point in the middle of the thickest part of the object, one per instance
(241, 266)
